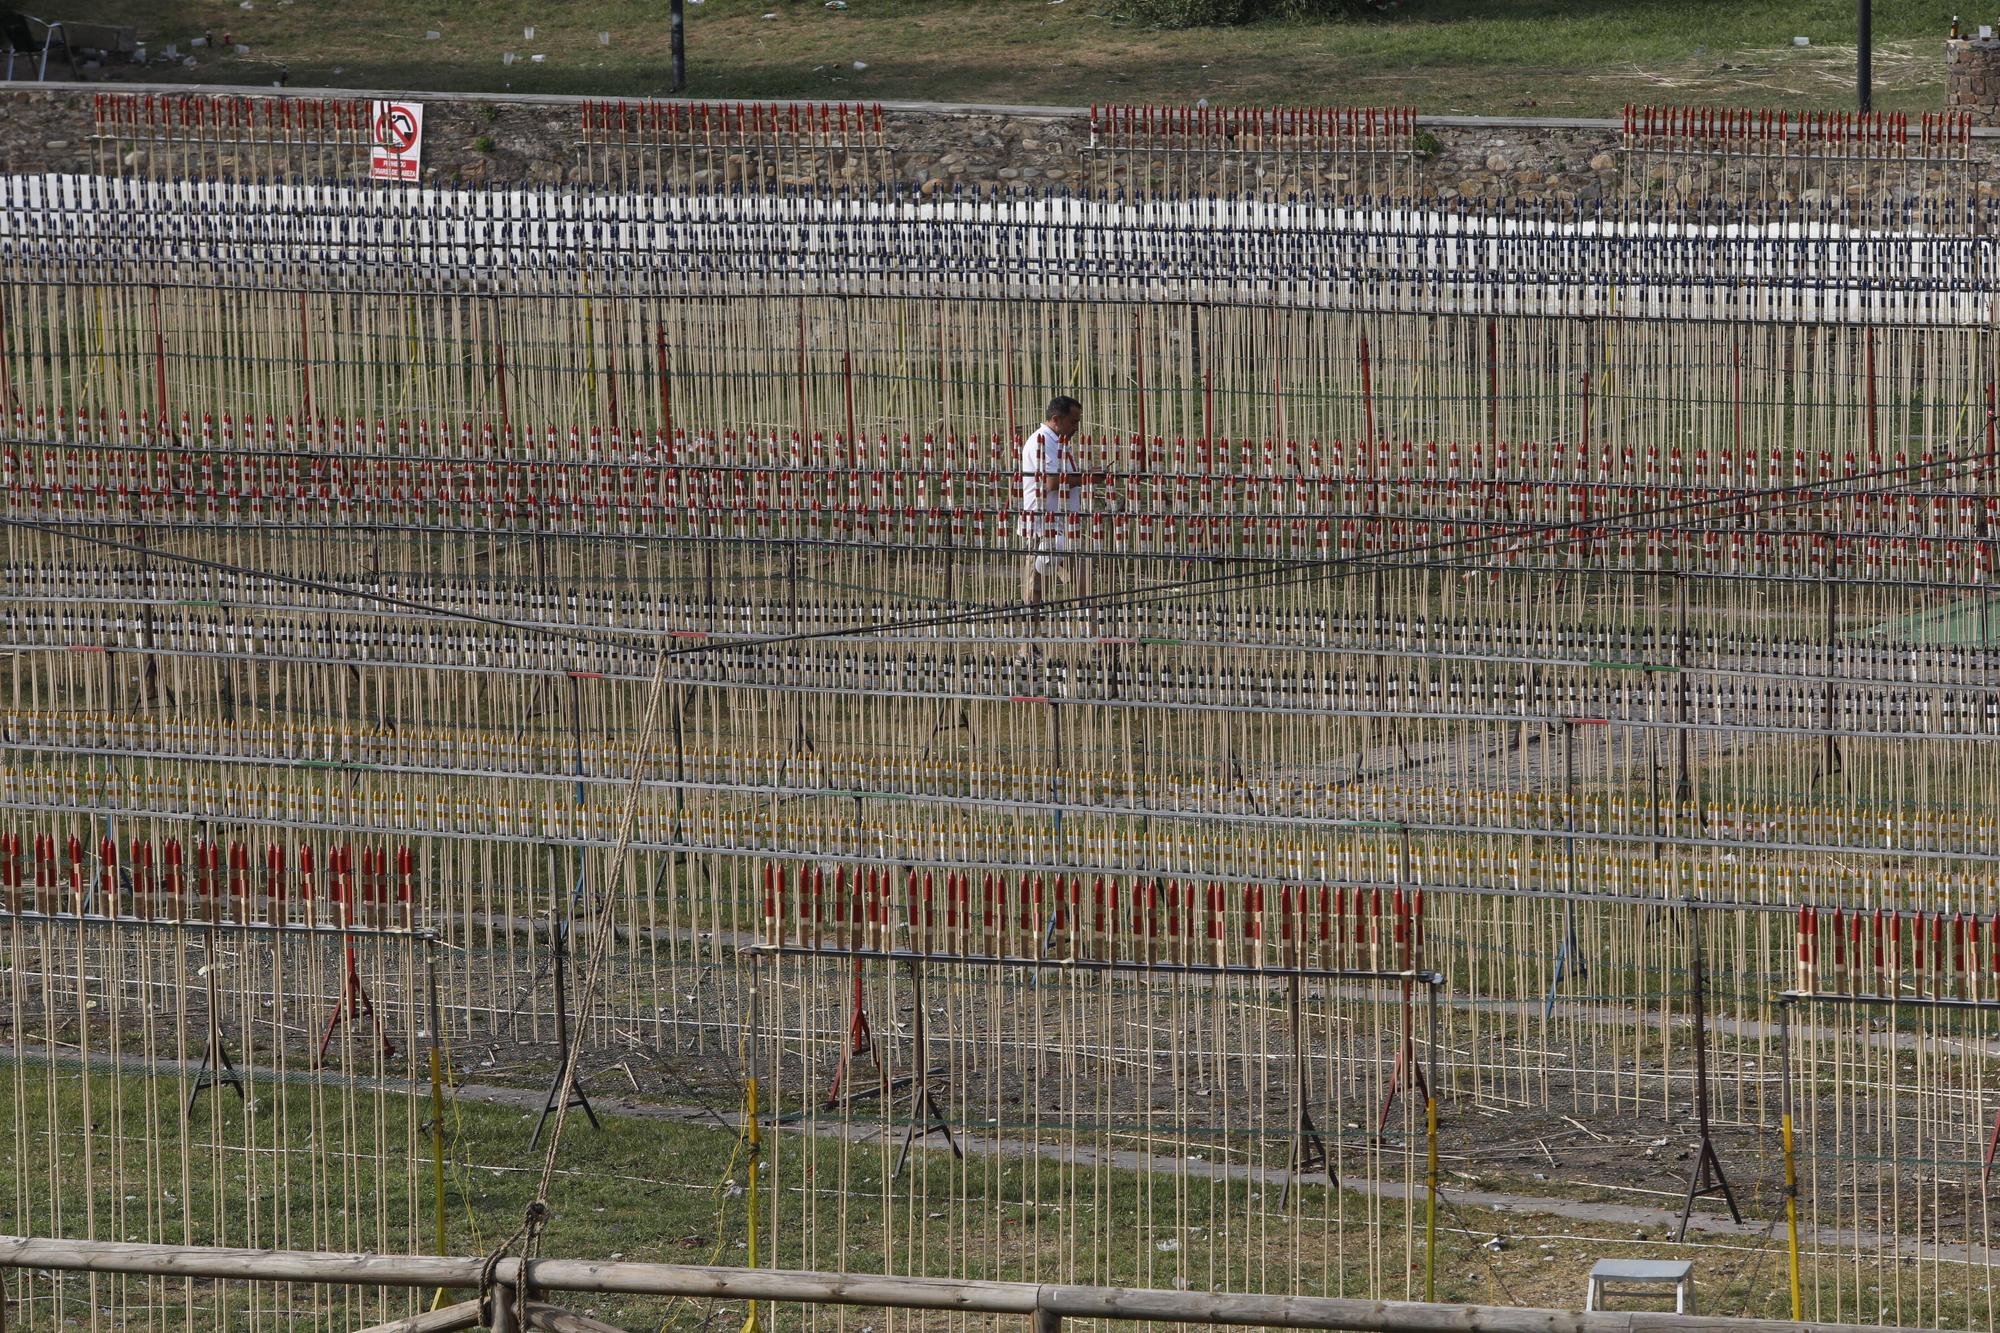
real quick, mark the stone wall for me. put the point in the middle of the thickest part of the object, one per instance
(1972, 78)
(45, 131)
(473, 139)
(1456, 160)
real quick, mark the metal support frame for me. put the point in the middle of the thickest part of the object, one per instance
(559, 961)
(858, 1041)
(1309, 1152)
(51, 33)
(1706, 1176)
(216, 1066)
(354, 1006)
(561, 916)
(924, 1108)
(1570, 951)
(1786, 1001)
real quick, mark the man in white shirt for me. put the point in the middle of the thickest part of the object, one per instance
(1051, 499)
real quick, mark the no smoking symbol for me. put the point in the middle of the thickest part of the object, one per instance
(396, 129)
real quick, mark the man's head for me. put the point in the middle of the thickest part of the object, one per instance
(1064, 415)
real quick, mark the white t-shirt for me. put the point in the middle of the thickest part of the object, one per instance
(1044, 457)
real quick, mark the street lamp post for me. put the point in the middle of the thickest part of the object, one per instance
(678, 10)
(1864, 73)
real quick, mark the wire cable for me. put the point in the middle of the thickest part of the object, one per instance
(1538, 537)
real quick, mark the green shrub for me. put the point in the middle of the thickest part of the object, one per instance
(1189, 13)
(1218, 13)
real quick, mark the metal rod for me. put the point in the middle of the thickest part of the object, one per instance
(1096, 964)
(977, 863)
(1526, 831)
(1893, 1001)
(29, 918)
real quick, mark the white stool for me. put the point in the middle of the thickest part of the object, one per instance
(1647, 1275)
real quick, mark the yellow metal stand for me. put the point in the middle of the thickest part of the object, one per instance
(1431, 1199)
(437, 1123)
(1791, 1159)
(437, 1144)
(1792, 1215)
(753, 1322)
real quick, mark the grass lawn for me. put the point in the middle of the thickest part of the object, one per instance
(649, 1189)
(1537, 57)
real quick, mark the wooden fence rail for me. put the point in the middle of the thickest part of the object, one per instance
(1047, 1304)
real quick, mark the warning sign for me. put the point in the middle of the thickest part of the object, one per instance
(398, 131)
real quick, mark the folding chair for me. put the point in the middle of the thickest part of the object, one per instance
(18, 31)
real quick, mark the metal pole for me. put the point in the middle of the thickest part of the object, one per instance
(1707, 1176)
(1431, 1150)
(1699, 966)
(437, 1108)
(1864, 79)
(753, 1142)
(1898, 1001)
(677, 10)
(1791, 1162)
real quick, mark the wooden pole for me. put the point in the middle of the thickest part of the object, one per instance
(325, 1267)
(1047, 1303)
(555, 1319)
(450, 1319)
(1384, 1316)
(501, 1316)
